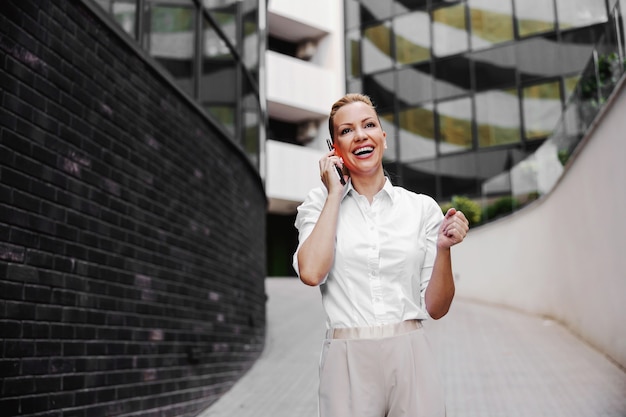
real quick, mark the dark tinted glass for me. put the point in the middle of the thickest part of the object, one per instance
(454, 119)
(450, 30)
(497, 117)
(417, 133)
(376, 48)
(542, 109)
(535, 16)
(412, 37)
(380, 88)
(375, 10)
(415, 85)
(403, 6)
(494, 68)
(171, 40)
(492, 22)
(452, 77)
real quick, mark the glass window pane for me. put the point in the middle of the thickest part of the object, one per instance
(352, 16)
(542, 109)
(492, 22)
(534, 16)
(420, 177)
(452, 77)
(124, 13)
(172, 40)
(570, 84)
(577, 13)
(375, 10)
(380, 88)
(458, 175)
(353, 54)
(417, 133)
(225, 15)
(250, 47)
(455, 125)
(415, 85)
(495, 68)
(450, 30)
(217, 94)
(404, 6)
(497, 117)
(376, 48)
(412, 36)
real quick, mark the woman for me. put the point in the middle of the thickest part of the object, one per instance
(381, 256)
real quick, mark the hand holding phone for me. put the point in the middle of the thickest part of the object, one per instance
(330, 148)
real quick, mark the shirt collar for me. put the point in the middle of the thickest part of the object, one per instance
(387, 189)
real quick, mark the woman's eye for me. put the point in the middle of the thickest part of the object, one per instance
(370, 124)
(344, 131)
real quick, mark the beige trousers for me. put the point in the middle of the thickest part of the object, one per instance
(386, 371)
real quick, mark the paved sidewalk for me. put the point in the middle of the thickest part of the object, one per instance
(495, 363)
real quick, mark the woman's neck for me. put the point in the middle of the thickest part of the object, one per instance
(369, 186)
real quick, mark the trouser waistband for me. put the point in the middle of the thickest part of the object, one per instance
(374, 332)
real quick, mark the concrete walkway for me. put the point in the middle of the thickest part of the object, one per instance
(495, 363)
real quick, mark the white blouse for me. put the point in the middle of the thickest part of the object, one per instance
(384, 255)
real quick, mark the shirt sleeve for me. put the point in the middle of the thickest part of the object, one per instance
(433, 216)
(306, 218)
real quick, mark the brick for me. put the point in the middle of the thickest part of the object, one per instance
(18, 348)
(9, 367)
(10, 329)
(12, 290)
(10, 406)
(11, 253)
(35, 366)
(34, 404)
(49, 313)
(20, 310)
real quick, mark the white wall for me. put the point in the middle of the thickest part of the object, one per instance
(564, 256)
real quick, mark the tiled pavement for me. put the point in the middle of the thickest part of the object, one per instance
(495, 363)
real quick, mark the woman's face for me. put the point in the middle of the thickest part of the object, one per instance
(359, 138)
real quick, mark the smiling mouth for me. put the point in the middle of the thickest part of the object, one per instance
(363, 151)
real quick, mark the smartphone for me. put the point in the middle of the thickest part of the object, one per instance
(330, 148)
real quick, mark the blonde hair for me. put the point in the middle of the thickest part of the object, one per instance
(347, 99)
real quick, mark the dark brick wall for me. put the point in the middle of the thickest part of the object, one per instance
(132, 256)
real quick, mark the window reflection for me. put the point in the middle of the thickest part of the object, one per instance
(353, 54)
(452, 77)
(124, 13)
(412, 37)
(449, 30)
(352, 17)
(415, 85)
(225, 15)
(497, 117)
(576, 13)
(376, 50)
(455, 125)
(250, 49)
(495, 68)
(458, 175)
(542, 109)
(534, 16)
(380, 88)
(375, 10)
(171, 40)
(417, 133)
(217, 95)
(404, 6)
(492, 22)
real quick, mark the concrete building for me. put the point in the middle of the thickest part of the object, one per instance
(305, 75)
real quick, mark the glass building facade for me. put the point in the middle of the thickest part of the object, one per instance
(467, 89)
(211, 49)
